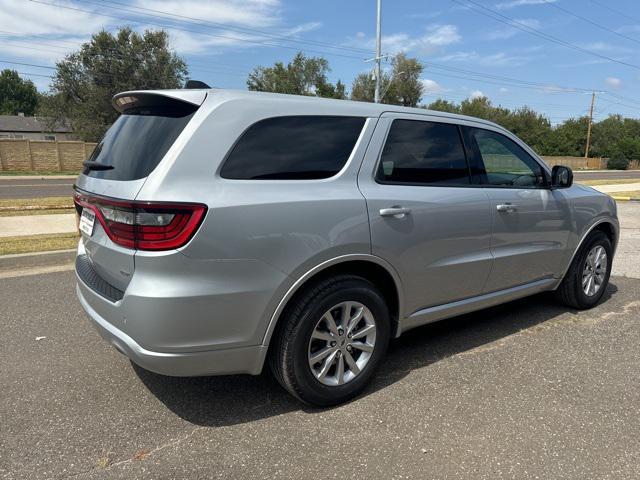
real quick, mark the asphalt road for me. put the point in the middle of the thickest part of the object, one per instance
(38, 187)
(526, 390)
(35, 187)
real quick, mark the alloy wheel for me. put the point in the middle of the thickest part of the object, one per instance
(595, 270)
(342, 343)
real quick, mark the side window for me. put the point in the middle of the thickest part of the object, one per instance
(293, 148)
(506, 163)
(418, 152)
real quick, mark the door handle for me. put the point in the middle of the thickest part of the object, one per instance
(507, 208)
(395, 211)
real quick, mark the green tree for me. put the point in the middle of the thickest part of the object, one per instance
(402, 86)
(441, 105)
(532, 127)
(405, 87)
(85, 81)
(302, 76)
(568, 138)
(17, 95)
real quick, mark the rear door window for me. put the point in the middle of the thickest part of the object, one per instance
(138, 140)
(423, 153)
(293, 148)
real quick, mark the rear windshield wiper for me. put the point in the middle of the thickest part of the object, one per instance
(96, 165)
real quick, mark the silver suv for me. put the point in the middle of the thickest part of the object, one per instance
(225, 229)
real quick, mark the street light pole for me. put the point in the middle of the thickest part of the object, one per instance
(378, 51)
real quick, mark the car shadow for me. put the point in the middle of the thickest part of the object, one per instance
(236, 399)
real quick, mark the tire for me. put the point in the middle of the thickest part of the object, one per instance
(293, 346)
(571, 291)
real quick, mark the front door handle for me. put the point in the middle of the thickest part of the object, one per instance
(507, 208)
(395, 211)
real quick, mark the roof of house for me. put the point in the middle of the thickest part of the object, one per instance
(18, 123)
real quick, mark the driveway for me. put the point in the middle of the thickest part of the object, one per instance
(525, 390)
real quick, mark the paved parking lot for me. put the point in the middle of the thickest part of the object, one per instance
(525, 390)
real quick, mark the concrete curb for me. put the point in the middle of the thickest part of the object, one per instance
(36, 259)
(38, 177)
(625, 199)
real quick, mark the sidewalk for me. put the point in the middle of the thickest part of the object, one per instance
(620, 187)
(37, 224)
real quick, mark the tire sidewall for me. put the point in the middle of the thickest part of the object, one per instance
(359, 291)
(598, 239)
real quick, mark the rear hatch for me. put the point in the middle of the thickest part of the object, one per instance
(113, 225)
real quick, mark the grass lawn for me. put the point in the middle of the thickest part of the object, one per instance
(38, 243)
(35, 206)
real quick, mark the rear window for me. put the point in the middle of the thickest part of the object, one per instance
(293, 148)
(138, 139)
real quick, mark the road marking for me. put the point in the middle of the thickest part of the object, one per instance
(26, 272)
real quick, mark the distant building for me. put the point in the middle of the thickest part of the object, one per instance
(32, 128)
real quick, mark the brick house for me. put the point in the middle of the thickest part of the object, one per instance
(32, 128)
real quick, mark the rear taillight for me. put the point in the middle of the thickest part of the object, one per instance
(145, 225)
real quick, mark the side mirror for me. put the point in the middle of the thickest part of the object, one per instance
(561, 177)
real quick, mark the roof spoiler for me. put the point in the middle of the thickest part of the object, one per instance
(140, 98)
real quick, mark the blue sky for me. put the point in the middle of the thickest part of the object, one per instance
(467, 53)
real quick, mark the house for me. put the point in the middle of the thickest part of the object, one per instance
(32, 128)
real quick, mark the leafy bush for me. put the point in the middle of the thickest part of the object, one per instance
(618, 162)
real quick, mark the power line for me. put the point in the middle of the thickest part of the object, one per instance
(499, 17)
(196, 21)
(584, 19)
(27, 64)
(611, 9)
(170, 26)
(509, 80)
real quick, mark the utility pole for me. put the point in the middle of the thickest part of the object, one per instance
(378, 51)
(586, 149)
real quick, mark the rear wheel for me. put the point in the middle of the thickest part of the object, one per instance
(588, 277)
(331, 341)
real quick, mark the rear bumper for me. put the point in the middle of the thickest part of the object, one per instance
(179, 364)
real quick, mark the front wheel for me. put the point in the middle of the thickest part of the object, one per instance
(332, 340)
(588, 276)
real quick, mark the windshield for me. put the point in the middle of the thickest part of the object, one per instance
(137, 141)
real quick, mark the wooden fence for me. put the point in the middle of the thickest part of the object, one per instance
(43, 155)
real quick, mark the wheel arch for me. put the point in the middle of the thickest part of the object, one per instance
(605, 225)
(371, 267)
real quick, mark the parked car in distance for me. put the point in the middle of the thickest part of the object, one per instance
(222, 230)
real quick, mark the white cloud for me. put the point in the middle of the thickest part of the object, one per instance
(508, 32)
(435, 37)
(613, 82)
(251, 13)
(489, 60)
(432, 87)
(476, 94)
(200, 43)
(40, 25)
(606, 48)
(519, 3)
(503, 90)
(33, 19)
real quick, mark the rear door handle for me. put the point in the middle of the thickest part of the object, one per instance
(395, 211)
(507, 208)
